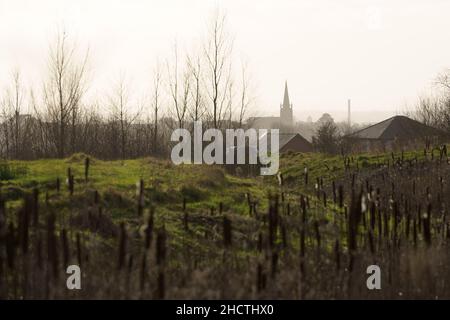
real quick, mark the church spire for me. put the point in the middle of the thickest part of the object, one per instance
(286, 103)
(286, 117)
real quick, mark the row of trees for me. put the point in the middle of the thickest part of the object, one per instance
(434, 110)
(185, 88)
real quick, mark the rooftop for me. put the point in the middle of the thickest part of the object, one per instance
(396, 127)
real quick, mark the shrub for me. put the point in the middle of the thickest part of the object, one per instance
(9, 171)
(192, 193)
(327, 139)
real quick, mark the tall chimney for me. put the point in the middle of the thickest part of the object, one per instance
(349, 113)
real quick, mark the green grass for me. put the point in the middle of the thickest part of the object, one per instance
(204, 187)
(166, 184)
(332, 167)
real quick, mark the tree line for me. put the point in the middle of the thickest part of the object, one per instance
(210, 85)
(434, 109)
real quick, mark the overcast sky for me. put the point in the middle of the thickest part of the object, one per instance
(380, 53)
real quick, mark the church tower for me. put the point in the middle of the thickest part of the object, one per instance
(286, 117)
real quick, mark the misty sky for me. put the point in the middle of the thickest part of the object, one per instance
(382, 54)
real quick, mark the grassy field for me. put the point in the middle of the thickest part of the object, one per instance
(145, 228)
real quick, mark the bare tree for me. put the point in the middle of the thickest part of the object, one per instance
(155, 106)
(443, 79)
(5, 114)
(179, 91)
(61, 120)
(195, 68)
(90, 130)
(230, 98)
(245, 98)
(120, 115)
(16, 101)
(14, 123)
(64, 89)
(434, 109)
(185, 95)
(218, 50)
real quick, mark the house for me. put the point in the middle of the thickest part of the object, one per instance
(293, 142)
(288, 142)
(398, 132)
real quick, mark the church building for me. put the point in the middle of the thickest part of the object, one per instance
(285, 122)
(289, 140)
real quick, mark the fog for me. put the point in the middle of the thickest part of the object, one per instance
(381, 54)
